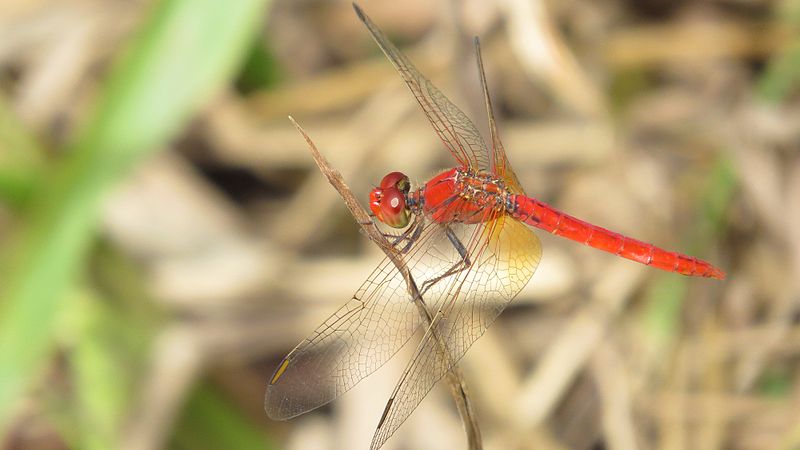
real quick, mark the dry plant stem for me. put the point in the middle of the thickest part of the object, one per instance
(458, 387)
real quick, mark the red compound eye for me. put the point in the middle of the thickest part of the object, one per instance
(375, 203)
(396, 180)
(393, 206)
(388, 201)
(389, 206)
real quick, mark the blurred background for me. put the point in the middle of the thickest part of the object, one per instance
(167, 239)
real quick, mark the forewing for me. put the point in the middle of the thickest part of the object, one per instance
(504, 255)
(360, 336)
(499, 162)
(456, 131)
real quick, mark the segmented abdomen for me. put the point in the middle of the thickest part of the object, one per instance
(541, 215)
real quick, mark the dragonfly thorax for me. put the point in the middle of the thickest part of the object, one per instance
(483, 188)
(463, 195)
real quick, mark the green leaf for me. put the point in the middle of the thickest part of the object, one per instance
(782, 76)
(106, 331)
(21, 159)
(261, 70)
(101, 380)
(665, 297)
(184, 52)
(211, 422)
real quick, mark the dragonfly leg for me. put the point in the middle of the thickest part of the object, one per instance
(407, 237)
(463, 264)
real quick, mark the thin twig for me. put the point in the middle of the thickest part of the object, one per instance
(458, 387)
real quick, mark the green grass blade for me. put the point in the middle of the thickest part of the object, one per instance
(665, 297)
(21, 159)
(782, 77)
(185, 51)
(210, 421)
(101, 382)
(106, 330)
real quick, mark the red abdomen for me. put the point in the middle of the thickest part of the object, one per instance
(540, 215)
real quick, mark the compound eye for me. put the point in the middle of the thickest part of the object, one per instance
(375, 197)
(393, 210)
(396, 180)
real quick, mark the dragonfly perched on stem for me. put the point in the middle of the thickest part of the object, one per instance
(468, 250)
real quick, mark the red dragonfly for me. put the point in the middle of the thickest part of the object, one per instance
(469, 249)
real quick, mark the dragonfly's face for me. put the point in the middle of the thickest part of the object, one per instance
(388, 201)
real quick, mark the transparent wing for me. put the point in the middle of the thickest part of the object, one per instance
(454, 128)
(363, 334)
(500, 165)
(504, 254)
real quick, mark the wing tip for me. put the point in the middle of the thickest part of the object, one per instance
(273, 412)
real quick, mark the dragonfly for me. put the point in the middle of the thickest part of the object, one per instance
(466, 239)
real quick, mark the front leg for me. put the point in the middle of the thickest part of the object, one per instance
(408, 237)
(463, 263)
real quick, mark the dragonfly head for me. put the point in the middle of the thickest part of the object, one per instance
(388, 201)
